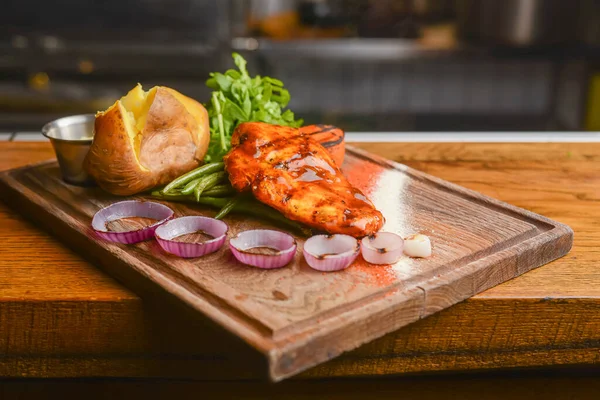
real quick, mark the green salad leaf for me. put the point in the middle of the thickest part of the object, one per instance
(239, 98)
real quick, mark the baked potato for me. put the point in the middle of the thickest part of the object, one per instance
(147, 139)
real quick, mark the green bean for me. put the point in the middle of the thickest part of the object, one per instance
(227, 208)
(189, 188)
(217, 202)
(221, 186)
(244, 206)
(260, 210)
(172, 196)
(194, 174)
(208, 182)
(256, 209)
(159, 193)
(219, 191)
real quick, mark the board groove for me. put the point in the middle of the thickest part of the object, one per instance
(296, 316)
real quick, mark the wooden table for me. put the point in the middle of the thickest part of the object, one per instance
(61, 317)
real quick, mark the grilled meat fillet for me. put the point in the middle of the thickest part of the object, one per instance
(285, 169)
(330, 137)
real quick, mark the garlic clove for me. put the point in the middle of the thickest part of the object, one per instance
(417, 245)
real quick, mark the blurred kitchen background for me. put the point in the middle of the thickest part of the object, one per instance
(366, 65)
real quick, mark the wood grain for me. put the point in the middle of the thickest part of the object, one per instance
(298, 317)
(79, 322)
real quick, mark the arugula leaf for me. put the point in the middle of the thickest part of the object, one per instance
(239, 98)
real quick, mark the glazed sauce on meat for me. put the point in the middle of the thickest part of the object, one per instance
(285, 169)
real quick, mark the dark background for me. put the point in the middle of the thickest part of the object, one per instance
(385, 65)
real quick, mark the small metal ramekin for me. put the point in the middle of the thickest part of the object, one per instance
(71, 138)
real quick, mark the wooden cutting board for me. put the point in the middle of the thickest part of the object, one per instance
(296, 316)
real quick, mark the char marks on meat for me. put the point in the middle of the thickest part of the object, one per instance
(287, 170)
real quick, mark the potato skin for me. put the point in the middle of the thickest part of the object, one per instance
(174, 141)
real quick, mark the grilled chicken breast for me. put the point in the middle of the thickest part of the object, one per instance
(285, 169)
(330, 137)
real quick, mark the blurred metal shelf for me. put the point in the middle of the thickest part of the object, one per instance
(52, 45)
(436, 122)
(350, 49)
(380, 50)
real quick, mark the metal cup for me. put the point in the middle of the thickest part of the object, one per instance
(71, 138)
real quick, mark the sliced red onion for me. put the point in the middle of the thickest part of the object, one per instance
(284, 247)
(166, 233)
(382, 248)
(330, 252)
(128, 209)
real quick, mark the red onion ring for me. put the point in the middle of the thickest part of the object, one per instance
(330, 252)
(382, 248)
(284, 244)
(180, 226)
(127, 209)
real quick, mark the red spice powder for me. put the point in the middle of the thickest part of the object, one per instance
(379, 275)
(363, 175)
